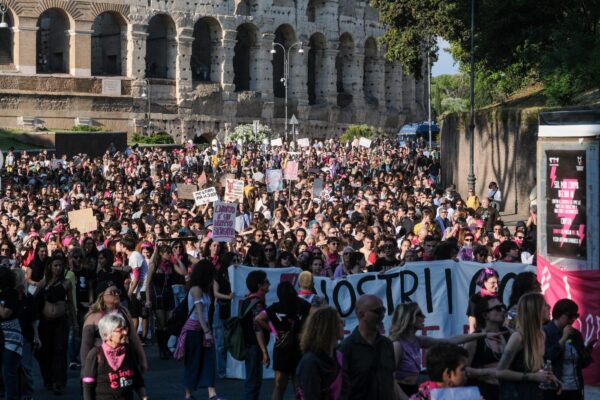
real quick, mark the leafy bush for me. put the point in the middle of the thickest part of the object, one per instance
(357, 131)
(155, 138)
(85, 128)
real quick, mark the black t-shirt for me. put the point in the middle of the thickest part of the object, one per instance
(82, 286)
(9, 298)
(108, 384)
(283, 321)
(248, 325)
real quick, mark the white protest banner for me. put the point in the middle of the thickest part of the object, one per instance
(83, 220)
(291, 171)
(224, 222)
(303, 142)
(442, 289)
(234, 190)
(274, 180)
(364, 142)
(276, 142)
(317, 188)
(206, 196)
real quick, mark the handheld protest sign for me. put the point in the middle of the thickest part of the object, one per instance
(83, 220)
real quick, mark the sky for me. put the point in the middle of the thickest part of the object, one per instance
(445, 63)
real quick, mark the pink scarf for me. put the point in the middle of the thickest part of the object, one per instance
(114, 356)
(189, 326)
(486, 293)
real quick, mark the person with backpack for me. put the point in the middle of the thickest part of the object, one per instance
(285, 319)
(256, 334)
(196, 344)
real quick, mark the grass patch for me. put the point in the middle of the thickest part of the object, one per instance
(8, 139)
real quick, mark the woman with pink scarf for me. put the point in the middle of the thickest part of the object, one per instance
(110, 370)
(196, 345)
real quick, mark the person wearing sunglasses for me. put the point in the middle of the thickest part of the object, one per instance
(407, 319)
(485, 353)
(109, 301)
(566, 350)
(488, 281)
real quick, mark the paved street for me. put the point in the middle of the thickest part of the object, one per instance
(163, 381)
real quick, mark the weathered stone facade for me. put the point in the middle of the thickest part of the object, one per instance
(194, 68)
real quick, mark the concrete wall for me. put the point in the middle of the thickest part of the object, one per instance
(94, 144)
(505, 152)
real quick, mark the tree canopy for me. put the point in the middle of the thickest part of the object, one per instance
(516, 41)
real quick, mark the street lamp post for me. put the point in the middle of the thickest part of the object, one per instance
(471, 178)
(3, 11)
(146, 95)
(286, 73)
(429, 89)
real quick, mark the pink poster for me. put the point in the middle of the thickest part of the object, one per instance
(582, 288)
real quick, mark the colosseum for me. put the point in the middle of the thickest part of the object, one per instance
(195, 68)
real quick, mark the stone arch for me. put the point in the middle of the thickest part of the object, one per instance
(53, 42)
(317, 76)
(370, 72)
(109, 44)
(344, 70)
(161, 48)
(313, 9)
(7, 45)
(205, 50)
(244, 58)
(285, 36)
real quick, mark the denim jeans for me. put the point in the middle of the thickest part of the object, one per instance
(254, 373)
(10, 369)
(219, 336)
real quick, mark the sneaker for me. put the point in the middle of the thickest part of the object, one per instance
(216, 397)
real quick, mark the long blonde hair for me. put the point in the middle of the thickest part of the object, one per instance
(530, 317)
(320, 330)
(403, 320)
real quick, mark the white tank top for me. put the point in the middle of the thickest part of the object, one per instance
(205, 301)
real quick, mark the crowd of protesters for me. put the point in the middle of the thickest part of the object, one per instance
(92, 301)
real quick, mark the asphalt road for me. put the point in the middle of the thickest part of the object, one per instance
(163, 381)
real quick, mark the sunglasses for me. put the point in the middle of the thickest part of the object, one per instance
(378, 310)
(115, 292)
(420, 315)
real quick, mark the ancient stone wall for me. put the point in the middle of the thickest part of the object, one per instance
(193, 67)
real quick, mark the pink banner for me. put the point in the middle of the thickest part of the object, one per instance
(583, 287)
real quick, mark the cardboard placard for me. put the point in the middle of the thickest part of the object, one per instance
(202, 180)
(223, 229)
(186, 192)
(456, 393)
(276, 142)
(291, 171)
(234, 190)
(303, 142)
(206, 196)
(364, 142)
(317, 188)
(274, 180)
(83, 220)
